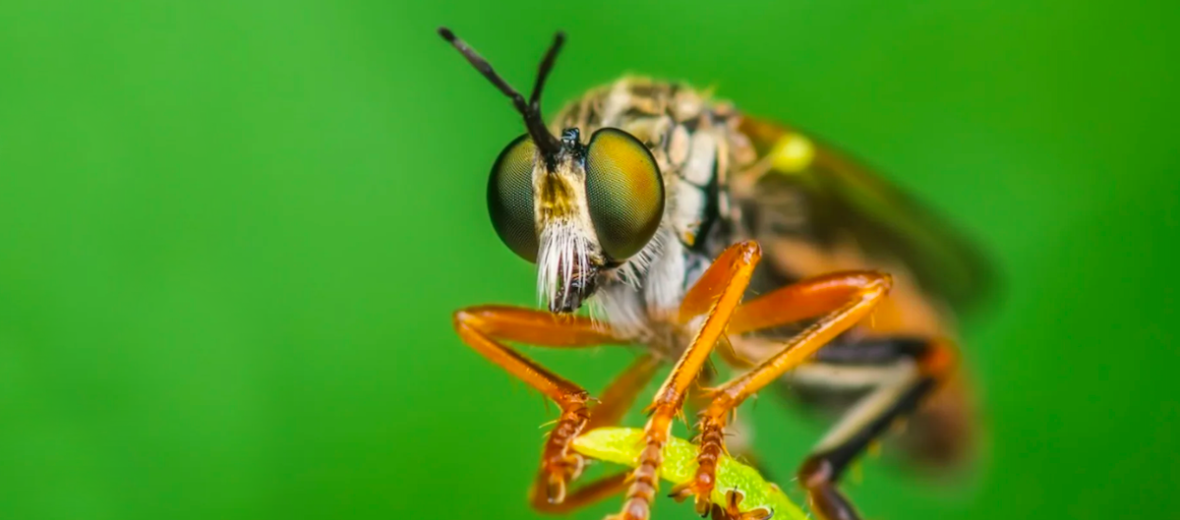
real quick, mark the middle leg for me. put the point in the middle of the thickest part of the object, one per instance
(485, 328)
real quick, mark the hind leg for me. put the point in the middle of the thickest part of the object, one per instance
(901, 374)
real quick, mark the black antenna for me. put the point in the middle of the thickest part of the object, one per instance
(543, 71)
(545, 141)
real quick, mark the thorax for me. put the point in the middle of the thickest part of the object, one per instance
(697, 144)
(700, 148)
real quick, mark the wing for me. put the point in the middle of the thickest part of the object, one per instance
(831, 197)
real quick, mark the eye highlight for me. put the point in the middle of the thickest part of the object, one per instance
(510, 198)
(624, 191)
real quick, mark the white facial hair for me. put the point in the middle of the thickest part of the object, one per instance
(562, 247)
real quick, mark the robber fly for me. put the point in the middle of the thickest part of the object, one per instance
(688, 227)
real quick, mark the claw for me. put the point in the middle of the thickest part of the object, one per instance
(560, 473)
(555, 489)
(695, 488)
(681, 491)
(703, 507)
(577, 463)
(733, 498)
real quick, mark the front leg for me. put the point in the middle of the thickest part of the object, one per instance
(711, 301)
(481, 327)
(614, 402)
(840, 300)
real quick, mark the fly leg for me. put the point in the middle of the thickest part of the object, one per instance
(706, 308)
(838, 300)
(906, 372)
(614, 403)
(484, 327)
(732, 511)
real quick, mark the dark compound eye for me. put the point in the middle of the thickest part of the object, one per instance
(624, 191)
(510, 198)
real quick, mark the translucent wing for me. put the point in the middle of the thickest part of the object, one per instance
(834, 197)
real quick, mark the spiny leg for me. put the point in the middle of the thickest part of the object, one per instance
(481, 328)
(840, 300)
(711, 301)
(738, 434)
(616, 399)
(915, 374)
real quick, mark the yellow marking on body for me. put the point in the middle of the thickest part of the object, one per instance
(792, 153)
(874, 449)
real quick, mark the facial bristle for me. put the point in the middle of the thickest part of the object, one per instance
(562, 249)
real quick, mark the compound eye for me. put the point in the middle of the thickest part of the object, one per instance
(510, 198)
(624, 192)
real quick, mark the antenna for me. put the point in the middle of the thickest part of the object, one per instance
(545, 141)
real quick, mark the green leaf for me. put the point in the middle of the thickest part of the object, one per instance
(622, 446)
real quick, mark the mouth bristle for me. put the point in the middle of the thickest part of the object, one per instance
(565, 275)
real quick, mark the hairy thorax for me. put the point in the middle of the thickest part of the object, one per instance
(697, 145)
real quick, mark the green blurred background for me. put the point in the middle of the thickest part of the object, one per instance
(232, 234)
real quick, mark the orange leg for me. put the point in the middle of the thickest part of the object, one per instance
(839, 300)
(585, 495)
(615, 401)
(710, 302)
(481, 327)
(621, 394)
